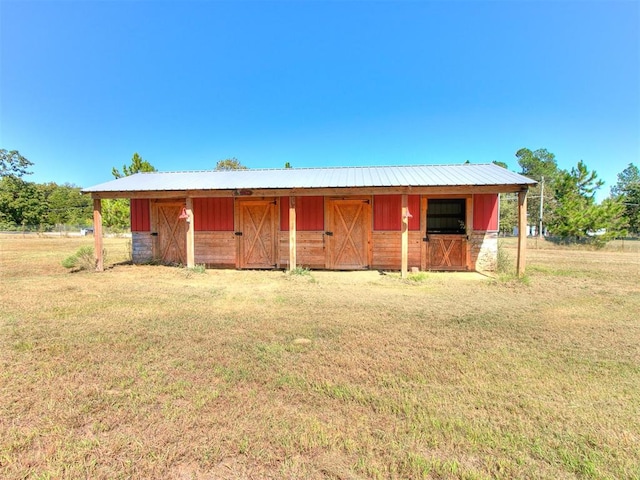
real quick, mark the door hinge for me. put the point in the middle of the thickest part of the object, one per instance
(238, 234)
(426, 239)
(329, 234)
(154, 234)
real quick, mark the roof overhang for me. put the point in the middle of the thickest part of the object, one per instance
(418, 179)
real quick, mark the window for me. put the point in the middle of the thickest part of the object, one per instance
(446, 215)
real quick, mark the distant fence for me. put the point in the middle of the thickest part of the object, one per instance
(59, 230)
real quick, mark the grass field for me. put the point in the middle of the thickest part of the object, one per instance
(158, 372)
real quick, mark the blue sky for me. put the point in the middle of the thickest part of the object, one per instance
(86, 84)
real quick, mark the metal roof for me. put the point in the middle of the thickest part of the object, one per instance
(331, 177)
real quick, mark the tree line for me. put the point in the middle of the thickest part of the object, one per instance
(28, 205)
(32, 206)
(569, 209)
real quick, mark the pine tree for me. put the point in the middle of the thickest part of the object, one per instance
(627, 191)
(576, 216)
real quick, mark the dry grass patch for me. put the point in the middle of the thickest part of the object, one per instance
(148, 371)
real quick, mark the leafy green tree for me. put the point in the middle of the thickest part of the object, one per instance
(577, 216)
(21, 203)
(541, 166)
(12, 164)
(508, 208)
(508, 213)
(31, 204)
(229, 164)
(538, 163)
(66, 205)
(627, 191)
(500, 164)
(116, 212)
(138, 164)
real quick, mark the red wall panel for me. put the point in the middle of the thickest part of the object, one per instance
(140, 215)
(485, 212)
(309, 213)
(213, 214)
(387, 211)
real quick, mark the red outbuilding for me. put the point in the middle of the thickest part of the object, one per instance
(429, 217)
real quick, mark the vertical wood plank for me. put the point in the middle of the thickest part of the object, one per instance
(405, 236)
(326, 239)
(153, 216)
(97, 234)
(522, 233)
(273, 228)
(292, 233)
(190, 234)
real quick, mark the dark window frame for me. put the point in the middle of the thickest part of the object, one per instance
(447, 216)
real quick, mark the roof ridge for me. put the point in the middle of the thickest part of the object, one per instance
(272, 169)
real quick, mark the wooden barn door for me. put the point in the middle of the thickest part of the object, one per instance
(171, 246)
(447, 252)
(257, 239)
(347, 240)
(447, 221)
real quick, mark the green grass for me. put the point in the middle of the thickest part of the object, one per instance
(151, 371)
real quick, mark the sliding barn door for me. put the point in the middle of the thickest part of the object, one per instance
(171, 246)
(257, 239)
(347, 240)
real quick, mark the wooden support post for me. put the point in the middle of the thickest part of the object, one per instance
(293, 261)
(191, 262)
(469, 231)
(522, 233)
(423, 233)
(97, 234)
(405, 236)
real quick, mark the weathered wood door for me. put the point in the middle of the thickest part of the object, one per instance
(171, 246)
(348, 237)
(447, 252)
(257, 239)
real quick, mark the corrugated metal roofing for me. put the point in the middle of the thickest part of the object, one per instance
(336, 177)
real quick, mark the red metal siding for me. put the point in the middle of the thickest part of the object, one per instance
(140, 216)
(309, 214)
(213, 214)
(387, 210)
(485, 212)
